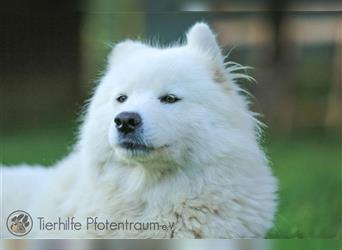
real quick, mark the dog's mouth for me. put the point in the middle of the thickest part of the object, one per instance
(136, 146)
(140, 149)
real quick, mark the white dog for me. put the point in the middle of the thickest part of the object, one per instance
(167, 139)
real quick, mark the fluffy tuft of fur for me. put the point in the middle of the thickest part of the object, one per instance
(204, 174)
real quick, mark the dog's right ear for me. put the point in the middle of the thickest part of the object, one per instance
(123, 49)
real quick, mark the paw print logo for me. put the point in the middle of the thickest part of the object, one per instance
(19, 223)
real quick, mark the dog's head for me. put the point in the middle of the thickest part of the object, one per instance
(176, 104)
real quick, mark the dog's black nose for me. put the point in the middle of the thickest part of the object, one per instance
(127, 122)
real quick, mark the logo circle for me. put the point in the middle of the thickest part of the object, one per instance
(19, 223)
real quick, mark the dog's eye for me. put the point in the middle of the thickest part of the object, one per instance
(169, 99)
(121, 98)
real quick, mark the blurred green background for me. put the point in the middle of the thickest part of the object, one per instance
(52, 53)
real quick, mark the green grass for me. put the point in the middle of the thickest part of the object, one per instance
(308, 169)
(309, 173)
(42, 146)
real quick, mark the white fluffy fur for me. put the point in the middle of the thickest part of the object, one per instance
(212, 179)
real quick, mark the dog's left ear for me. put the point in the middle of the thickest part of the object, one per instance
(202, 38)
